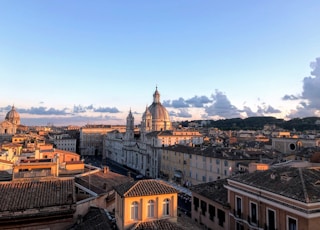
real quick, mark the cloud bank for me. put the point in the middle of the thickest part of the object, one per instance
(309, 99)
(215, 106)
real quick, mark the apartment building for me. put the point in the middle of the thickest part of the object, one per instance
(210, 205)
(64, 142)
(91, 138)
(279, 198)
(189, 165)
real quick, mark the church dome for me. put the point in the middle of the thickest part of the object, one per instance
(13, 116)
(157, 110)
(158, 114)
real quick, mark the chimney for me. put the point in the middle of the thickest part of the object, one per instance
(106, 169)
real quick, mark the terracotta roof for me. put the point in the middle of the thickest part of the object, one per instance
(144, 188)
(6, 162)
(214, 190)
(74, 162)
(156, 224)
(30, 194)
(212, 151)
(6, 145)
(301, 184)
(95, 219)
(102, 182)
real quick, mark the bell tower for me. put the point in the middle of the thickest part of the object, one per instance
(130, 126)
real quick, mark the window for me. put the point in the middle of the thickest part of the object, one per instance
(271, 219)
(196, 203)
(203, 208)
(291, 223)
(166, 207)
(253, 213)
(238, 206)
(150, 208)
(225, 163)
(212, 212)
(221, 217)
(134, 210)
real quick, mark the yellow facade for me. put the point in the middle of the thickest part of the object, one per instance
(131, 210)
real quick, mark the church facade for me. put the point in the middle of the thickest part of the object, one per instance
(142, 151)
(9, 126)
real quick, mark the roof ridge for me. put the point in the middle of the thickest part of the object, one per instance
(134, 184)
(305, 193)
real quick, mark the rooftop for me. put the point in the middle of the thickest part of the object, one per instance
(211, 151)
(26, 194)
(156, 224)
(214, 190)
(302, 184)
(144, 188)
(95, 219)
(101, 182)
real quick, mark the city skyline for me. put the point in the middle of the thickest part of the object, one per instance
(79, 62)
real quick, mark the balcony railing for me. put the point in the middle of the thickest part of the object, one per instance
(237, 213)
(251, 223)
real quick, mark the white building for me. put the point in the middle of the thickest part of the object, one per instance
(142, 151)
(91, 138)
(65, 142)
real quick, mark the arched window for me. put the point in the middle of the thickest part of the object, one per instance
(166, 207)
(150, 208)
(134, 210)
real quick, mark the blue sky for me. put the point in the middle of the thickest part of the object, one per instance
(79, 62)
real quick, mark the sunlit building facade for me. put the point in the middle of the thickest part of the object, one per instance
(142, 150)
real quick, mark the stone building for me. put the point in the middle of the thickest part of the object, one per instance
(278, 198)
(142, 150)
(293, 145)
(91, 138)
(210, 205)
(194, 165)
(10, 125)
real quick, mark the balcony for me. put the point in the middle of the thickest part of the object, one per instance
(237, 213)
(252, 223)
